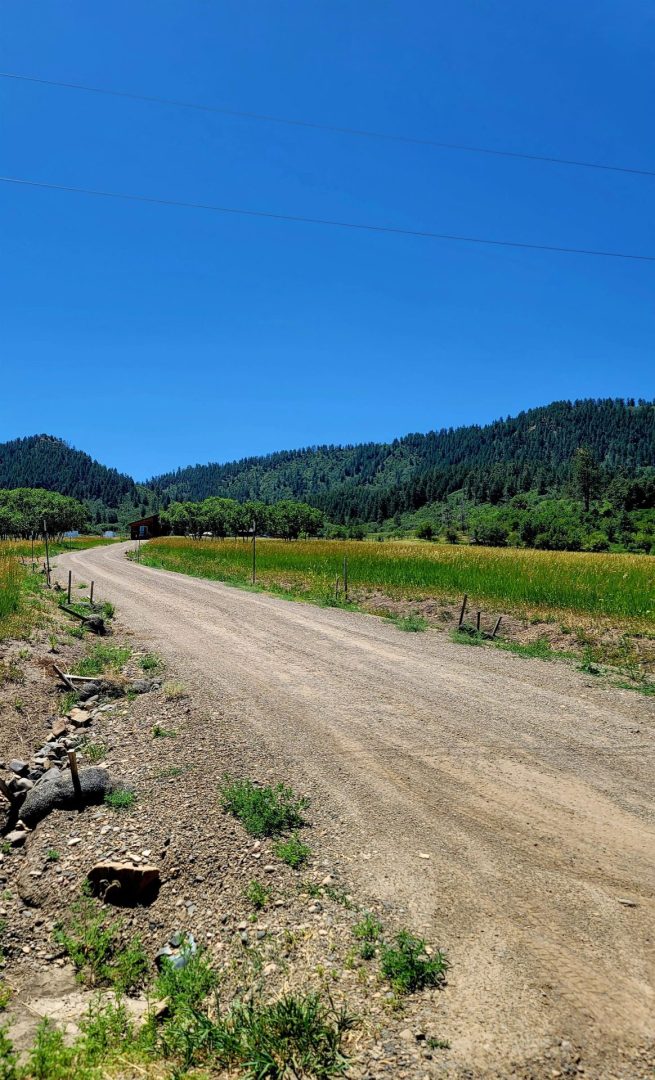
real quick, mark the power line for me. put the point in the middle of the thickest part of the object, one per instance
(334, 128)
(298, 219)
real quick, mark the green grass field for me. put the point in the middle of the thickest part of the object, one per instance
(613, 588)
(20, 606)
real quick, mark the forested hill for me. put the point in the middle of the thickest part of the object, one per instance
(374, 481)
(43, 461)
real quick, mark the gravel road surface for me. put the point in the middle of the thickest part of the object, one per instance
(501, 806)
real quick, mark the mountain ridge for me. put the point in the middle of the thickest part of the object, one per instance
(368, 481)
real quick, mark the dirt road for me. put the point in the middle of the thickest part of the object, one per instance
(503, 807)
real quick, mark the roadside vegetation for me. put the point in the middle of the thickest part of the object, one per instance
(614, 588)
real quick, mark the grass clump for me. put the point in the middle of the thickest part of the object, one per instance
(67, 701)
(94, 751)
(159, 732)
(92, 943)
(407, 967)
(263, 811)
(52, 855)
(259, 895)
(121, 799)
(292, 851)
(103, 658)
(411, 624)
(174, 690)
(294, 1036)
(151, 662)
(368, 932)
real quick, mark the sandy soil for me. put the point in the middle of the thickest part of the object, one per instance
(502, 807)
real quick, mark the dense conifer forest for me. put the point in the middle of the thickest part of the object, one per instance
(568, 475)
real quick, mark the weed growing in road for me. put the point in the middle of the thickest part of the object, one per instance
(292, 851)
(259, 895)
(159, 732)
(103, 658)
(437, 1044)
(263, 811)
(407, 966)
(52, 855)
(121, 799)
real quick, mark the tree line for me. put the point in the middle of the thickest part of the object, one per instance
(285, 519)
(26, 512)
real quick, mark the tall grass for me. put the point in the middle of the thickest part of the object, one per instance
(18, 610)
(23, 548)
(610, 587)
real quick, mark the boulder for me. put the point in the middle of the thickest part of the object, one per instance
(79, 717)
(123, 883)
(61, 795)
(16, 765)
(59, 727)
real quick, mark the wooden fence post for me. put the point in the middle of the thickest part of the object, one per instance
(463, 610)
(70, 580)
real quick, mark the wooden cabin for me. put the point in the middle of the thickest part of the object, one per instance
(145, 527)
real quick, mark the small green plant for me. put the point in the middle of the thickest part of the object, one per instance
(105, 1028)
(53, 641)
(123, 799)
(159, 732)
(263, 811)
(108, 610)
(19, 704)
(103, 658)
(5, 998)
(82, 585)
(5, 848)
(587, 664)
(75, 631)
(437, 1044)
(292, 851)
(368, 931)
(151, 662)
(407, 966)
(52, 855)
(94, 751)
(67, 701)
(259, 895)
(171, 771)
(92, 944)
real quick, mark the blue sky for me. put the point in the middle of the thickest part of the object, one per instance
(154, 337)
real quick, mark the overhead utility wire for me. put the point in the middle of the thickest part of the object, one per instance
(394, 230)
(359, 132)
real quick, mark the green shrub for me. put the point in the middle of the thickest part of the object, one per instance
(259, 895)
(263, 811)
(121, 799)
(292, 851)
(406, 965)
(92, 943)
